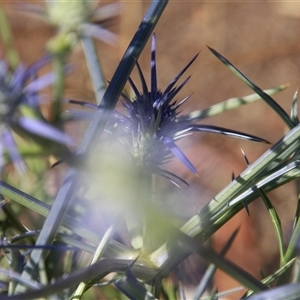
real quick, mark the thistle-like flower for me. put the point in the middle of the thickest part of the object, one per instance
(19, 109)
(151, 123)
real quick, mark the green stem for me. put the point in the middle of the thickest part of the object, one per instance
(5, 32)
(58, 88)
(276, 223)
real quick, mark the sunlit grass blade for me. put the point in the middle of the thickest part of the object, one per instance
(229, 104)
(294, 239)
(271, 102)
(276, 223)
(228, 294)
(289, 291)
(266, 180)
(271, 278)
(294, 110)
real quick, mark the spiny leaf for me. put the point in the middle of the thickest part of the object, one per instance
(271, 102)
(179, 154)
(294, 110)
(228, 132)
(173, 82)
(276, 222)
(245, 157)
(227, 105)
(263, 182)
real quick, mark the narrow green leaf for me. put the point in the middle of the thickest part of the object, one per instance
(229, 104)
(6, 36)
(286, 292)
(293, 241)
(271, 278)
(58, 88)
(260, 184)
(225, 294)
(271, 102)
(294, 110)
(276, 223)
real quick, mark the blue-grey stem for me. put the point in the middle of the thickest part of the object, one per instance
(96, 74)
(96, 127)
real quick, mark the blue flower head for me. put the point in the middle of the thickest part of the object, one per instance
(19, 109)
(153, 122)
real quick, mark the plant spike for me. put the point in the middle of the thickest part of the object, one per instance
(271, 102)
(294, 110)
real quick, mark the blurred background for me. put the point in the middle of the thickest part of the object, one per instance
(262, 40)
